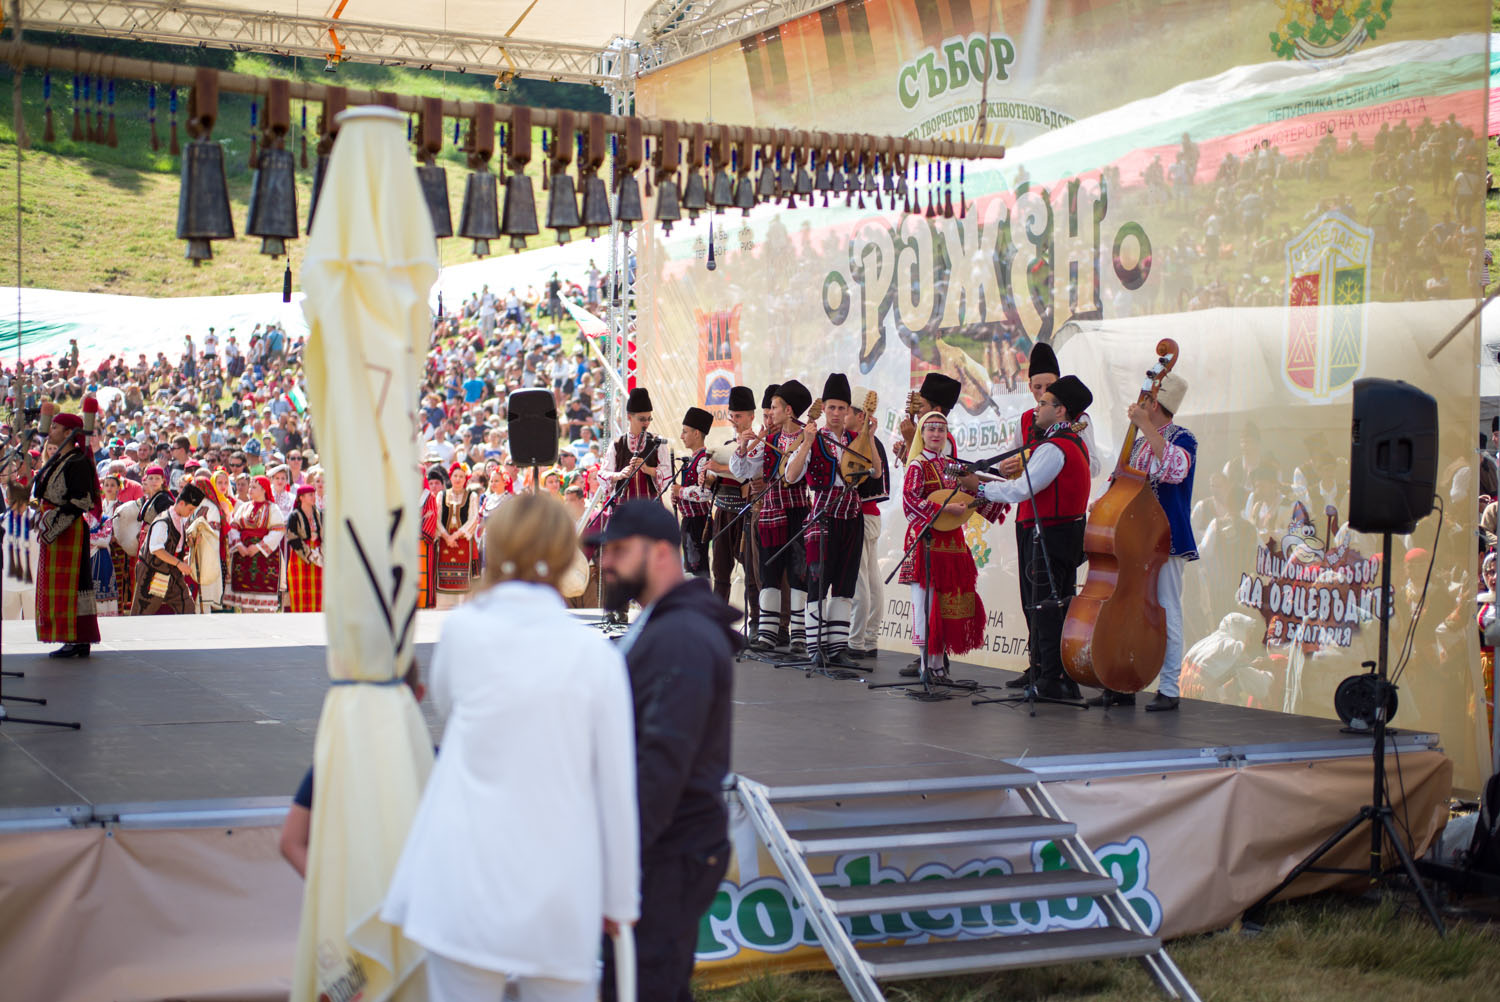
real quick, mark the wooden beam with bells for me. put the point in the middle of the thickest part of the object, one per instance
(715, 167)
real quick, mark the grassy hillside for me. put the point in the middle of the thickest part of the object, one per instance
(97, 219)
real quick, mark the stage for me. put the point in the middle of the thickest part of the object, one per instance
(197, 730)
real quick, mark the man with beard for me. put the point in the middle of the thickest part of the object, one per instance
(679, 654)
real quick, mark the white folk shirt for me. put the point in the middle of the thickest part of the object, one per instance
(527, 836)
(1095, 460)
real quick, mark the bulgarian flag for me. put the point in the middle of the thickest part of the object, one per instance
(297, 399)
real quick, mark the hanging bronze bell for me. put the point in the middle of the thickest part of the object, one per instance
(596, 218)
(723, 190)
(668, 204)
(480, 220)
(766, 188)
(562, 207)
(519, 221)
(695, 195)
(273, 201)
(744, 194)
(203, 200)
(822, 178)
(629, 211)
(434, 182)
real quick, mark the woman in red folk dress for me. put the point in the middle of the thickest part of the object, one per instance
(954, 621)
(255, 534)
(432, 492)
(304, 562)
(458, 519)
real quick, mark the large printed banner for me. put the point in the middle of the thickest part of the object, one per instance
(1294, 192)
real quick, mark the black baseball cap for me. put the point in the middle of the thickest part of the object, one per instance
(640, 517)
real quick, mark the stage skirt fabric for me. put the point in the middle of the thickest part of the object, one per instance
(106, 582)
(957, 619)
(65, 589)
(304, 585)
(455, 562)
(254, 582)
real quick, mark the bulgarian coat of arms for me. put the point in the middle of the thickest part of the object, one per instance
(1324, 29)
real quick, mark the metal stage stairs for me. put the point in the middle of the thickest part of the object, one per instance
(830, 909)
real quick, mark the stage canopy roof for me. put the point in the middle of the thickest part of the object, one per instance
(599, 43)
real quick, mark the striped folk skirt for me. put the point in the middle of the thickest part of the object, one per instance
(304, 585)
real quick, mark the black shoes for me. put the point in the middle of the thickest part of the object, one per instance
(1021, 681)
(1058, 688)
(1162, 703)
(70, 651)
(760, 645)
(797, 649)
(912, 670)
(861, 654)
(1111, 698)
(841, 659)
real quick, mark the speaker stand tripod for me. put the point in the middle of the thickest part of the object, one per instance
(1378, 812)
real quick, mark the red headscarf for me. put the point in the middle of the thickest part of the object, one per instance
(265, 485)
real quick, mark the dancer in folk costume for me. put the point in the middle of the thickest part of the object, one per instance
(22, 555)
(164, 575)
(120, 561)
(101, 563)
(458, 520)
(67, 489)
(434, 485)
(304, 562)
(951, 620)
(255, 534)
(209, 544)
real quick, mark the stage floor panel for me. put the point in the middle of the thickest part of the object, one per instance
(167, 718)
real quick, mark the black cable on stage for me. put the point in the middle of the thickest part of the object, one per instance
(1411, 627)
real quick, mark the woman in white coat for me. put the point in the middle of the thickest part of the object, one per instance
(525, 845)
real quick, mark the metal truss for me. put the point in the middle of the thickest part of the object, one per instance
(188, 24)
(674, 30)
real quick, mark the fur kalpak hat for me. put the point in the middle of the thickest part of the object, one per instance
(836, 387)
(940, 390)
(795, 395)
(639, 401)
(697, 417)
(741, 398)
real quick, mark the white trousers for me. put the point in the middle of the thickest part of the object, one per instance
(869, 592)
(1169, 594)
(19, 604)
(449, 980)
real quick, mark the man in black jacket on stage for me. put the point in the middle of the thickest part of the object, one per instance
(680, 654)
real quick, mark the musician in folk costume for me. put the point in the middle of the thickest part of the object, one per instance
(869, 591)
(1053, 494)
(304, 563)
(255, 534)
(637, 464)
(730, 495)
(1168, 453)
(1042, 371)
(782, 514)
(950, 619)
(937, 393)
(164, 583)
(692, 499)
(835, 539)
(67, 489)
(458, 523)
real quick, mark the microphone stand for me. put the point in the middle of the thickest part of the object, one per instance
(1030, 697)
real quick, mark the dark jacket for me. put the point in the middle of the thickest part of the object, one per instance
(681, 674)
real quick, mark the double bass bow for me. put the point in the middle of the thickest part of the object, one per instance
(1115, 635)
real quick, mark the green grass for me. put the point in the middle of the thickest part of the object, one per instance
(102, 219)
(1327, 949)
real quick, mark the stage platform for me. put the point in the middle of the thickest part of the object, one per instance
(218, 714)
(139, 856)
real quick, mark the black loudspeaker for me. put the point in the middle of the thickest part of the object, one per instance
(1394, 456)
(531, 419)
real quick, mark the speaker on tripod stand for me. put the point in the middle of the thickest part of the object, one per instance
(1392, 476)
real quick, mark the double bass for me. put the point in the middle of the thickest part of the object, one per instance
(1115, 635)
